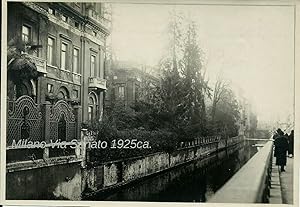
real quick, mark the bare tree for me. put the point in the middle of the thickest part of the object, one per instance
(220, 89)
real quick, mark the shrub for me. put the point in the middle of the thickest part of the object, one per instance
(159, 141)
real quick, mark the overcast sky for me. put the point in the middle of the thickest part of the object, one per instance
(253, 46)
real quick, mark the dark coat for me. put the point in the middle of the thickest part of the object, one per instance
(291, 144)
(281, 148)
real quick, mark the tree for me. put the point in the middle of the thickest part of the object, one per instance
(227, 113)
(170, 93)
(220, 88)
(178, 104)
(195, 86)
(20, 65)
(253, 124)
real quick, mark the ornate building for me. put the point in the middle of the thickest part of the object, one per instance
(55, 81)
(70, 40)
(56, 52)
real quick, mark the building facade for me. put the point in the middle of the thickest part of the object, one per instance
(55, 81)
(70, 60)
(127, 83)
(71, 53)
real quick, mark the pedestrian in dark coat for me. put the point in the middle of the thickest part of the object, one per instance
(291, 143)
(275, 135)
(281, 148)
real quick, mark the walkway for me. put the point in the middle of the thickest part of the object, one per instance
(286, 180)
(282, 184)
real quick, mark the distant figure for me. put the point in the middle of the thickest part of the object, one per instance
(281, 148)
(291, 144)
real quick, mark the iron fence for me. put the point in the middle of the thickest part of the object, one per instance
(29, 121)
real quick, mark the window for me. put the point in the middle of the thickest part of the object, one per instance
(63, 93)
(121, 92)
(26, 33)
(77, 25)
(92, 106)
(75, 94)
(50, 51)
(63, 62)
(75, 60)
(90, 113)
(93, 65)
(50, 88)
(51, 11)
(64, 18)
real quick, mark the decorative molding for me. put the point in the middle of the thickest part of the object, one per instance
(52, 66)
(67, 26)
(93, 50)
(93, 39)
(59, 80)
(69, 10)
(65, 37)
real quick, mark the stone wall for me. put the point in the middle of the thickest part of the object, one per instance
(69, 178)
(110, 174)
(121, 172)
(136, 168)
(53, 182)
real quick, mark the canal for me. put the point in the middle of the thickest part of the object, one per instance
(196, 181)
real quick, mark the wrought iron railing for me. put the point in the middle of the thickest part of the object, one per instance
(40, 125)
(209, 139)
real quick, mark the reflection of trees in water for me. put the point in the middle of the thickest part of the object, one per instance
(220, 174)
(194, 182)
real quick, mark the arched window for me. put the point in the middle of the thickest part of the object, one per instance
(92, 106)
(63, 93)
(91, 100)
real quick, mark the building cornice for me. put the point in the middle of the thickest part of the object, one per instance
(69, 11)
(96, 25)
(61, 23)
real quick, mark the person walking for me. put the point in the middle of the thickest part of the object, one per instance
(281, 148)
(291, 144)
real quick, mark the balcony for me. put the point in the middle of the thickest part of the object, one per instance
(40, 63)
(97, 83)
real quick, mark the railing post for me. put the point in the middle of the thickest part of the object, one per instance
(46, 113)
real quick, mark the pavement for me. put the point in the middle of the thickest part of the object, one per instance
(286, 180)
(281, 191)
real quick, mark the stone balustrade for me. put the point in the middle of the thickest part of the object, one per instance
(251, 183)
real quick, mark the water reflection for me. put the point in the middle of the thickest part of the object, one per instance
(193, 182)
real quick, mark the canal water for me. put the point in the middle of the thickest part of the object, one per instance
(196, 181)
